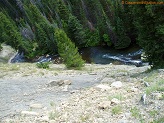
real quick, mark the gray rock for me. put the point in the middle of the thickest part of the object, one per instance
(146, 84)
(59, 83)
(36, 106)
(67, 82)
(103, 87)
(117, 84)
(6, 53)
(143, 98)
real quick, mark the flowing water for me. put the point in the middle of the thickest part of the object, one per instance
(107, 55)
(99, 55)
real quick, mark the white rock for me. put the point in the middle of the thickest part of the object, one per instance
(117, 84)
(43, 119)
(103, 87)
(29, 113)
(115, 101)
(104, 105)
(36, 105)
(133, 89)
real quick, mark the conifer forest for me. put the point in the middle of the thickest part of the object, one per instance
(39, 27)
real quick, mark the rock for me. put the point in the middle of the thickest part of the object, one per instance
(143, 98)
(6, 53)
(29, 113)
(117, 84)
(104, 105)
(92, 73)
(59, 83)
(43, 119)
(146, 84)
(115, 101)
(37, 106)
(67, 82)
(103, 87)
(133, 89)
(157, 96)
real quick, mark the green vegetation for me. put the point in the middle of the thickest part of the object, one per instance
(29, 26)
(135, 112)
(44, 65)
(116, 109)
(68, 51)
(117, 96)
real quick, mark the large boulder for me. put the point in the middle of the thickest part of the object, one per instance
(6, 53)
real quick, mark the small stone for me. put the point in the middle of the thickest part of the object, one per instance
(146, 84)
(92, 73)
(133, 89)
(103, 87)
(37, 106)
(43, 119)
(115, 101)
(117, 84)
(143, 98)
(104, 105)
(29, 113)
(67, 82)
(60, 82)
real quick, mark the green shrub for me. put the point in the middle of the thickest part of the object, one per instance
(44, 65)
(68, 51)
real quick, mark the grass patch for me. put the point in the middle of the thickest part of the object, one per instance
(117, 96)
(161, 120)
(135, 112)
(155, 86)
(53, 115)
(116, 109)
(153, 113)
(43, 65)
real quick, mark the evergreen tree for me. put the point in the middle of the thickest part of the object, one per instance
(68, 51)
(63, 10)
(150, 32)
(9, 32)
(76, 31)
(123, 40)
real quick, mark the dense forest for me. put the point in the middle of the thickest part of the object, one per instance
(39, 27)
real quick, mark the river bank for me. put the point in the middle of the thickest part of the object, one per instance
(95, 94)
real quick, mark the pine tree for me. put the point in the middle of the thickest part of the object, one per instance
(150, 32)
(9, 32)
(68, 51)
(76, 31)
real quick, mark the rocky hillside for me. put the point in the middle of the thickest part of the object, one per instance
(29, 25)
(95, 94)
